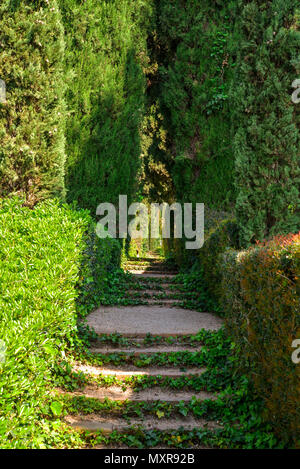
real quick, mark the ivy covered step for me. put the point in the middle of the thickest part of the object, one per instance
(148, 358)
(154, 284)
(119, 392)
(158, 302)
(159, 294)
(130, 370)
(139, 349)
(151, 268)
(94, 422)
(162, 276)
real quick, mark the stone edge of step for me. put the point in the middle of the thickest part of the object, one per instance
(127, 371)
(94, 422)
(136, 351)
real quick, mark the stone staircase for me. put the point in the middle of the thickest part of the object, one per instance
(148, 328)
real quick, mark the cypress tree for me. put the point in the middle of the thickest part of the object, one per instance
(195, 70)
(32, 120)
(267, 137)
(106, 59)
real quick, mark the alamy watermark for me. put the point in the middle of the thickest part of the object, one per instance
(2, 91)
(2, 351)
(154, 221)
(296, 93)
(296, 353)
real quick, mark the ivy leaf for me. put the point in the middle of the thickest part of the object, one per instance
(160, 414)
(56, 408)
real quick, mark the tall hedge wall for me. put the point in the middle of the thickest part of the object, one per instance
(225, 75)
(266, 121)
(32, 121)
(105, 58)
(195, 60)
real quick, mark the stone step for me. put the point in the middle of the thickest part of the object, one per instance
(151, 284)
(146, 259)
(138, 321)
(152, 273)
(141, 293)
(138, 343)
(150, 264)
(121, 372)
(156, 277)
(146, 350)
(152, 269)
(153, 394)
(159, 302)
(94, 422)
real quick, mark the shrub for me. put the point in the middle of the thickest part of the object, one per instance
(32, 121)
(100, 274)
(40, 256)
(218, 238)
(261, 298)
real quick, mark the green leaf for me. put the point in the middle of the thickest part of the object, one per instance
(56, 408)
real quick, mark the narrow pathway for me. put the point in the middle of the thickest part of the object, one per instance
(150, 343)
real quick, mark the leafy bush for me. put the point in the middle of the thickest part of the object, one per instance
(222, 235)
(100, 273)
(40, 256)
(32, 121)
(261, 299)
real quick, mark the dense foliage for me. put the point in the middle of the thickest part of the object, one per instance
(261, 299)
(105, 60)
(266, 121)
(195, 69)
(32, 121)
(186, 100)
(40, 255)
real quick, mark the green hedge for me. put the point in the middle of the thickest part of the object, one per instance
(221, 232)
(226, 234)
(41, 251)
(266, 121)
(193, 48)
(261, 291)
(32, 121)
(106, 57)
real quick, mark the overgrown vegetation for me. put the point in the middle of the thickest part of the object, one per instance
(40, 255)
(236, 407)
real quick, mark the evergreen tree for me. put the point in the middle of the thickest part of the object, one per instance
(194, 53)
(106, 59)
(267, 137)
(32, 121)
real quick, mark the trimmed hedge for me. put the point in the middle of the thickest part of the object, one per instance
(266, 124)
(221, 235)
(40, 254)
(106, 61)
(261, 289)
(42, 257)
(32, 121)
